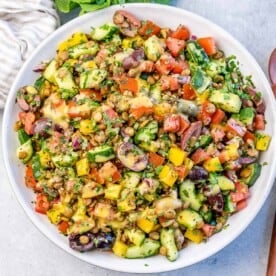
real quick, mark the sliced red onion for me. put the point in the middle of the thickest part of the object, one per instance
(42, 126)
(76, 143)
(40, 67)
(183, 79)
(231, 174)
(193, 131)
(247, 160)
(193, 37)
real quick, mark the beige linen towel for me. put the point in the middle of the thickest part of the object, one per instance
(23, 25)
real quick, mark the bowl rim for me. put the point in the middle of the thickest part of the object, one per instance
(31, 214)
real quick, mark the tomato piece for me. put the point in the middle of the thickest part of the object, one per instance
(94, 174)
(172, 123)
(248, 136)
(179, 66)
(169, 83)
(165, 64)
(155, 159)
(63, 226)
(182, 171)
(27, 118)
(140, 111)
(42, 204)
(188, 92)
(217, 134)
(208, 44)
(223, 156)
(241, 205)
(206, 112)
(149, 28)
(259, 122)
(241, 193)
(181, 32)
(111, 113)
(218, 116)
(236, 127)
(184, 124)
(199, 156)
(175, 45)
(30, 180)
(130, 84)
(116, 176)
(94, 94)
(208, 229)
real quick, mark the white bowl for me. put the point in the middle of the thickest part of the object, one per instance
(164, 16)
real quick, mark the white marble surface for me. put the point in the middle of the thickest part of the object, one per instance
(25, 251)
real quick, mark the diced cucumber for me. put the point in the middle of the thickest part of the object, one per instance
(36, 166)
(187, 194)
(251, 173)
(148, 248)
(229, 102)
(203, 141)
(200, 81)
(168, 241)
(216, 67)
(196, 53)
(23, 137)
(229, 205)
(147, 133)
(104, 32)
(92, 78)
(135, 236)
(50, 71)
(88, 48)
(155, 93)
(190, 219)
(153, 48)
(101, 154)
(25, 151)
(247, 115)
(65, 160)
(225, 183)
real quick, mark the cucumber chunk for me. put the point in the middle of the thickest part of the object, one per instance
(101, 154)
(168, 241)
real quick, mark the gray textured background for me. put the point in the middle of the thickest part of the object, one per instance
(25, 251)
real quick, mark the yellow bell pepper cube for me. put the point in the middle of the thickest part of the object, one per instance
(75, 39)
(119, 248)
(213, 165)
(44, 158)
(146, 225)
(126, 205)
(168, 175)
(195, 235)
(149, 146)
(133, 42)
(176, 156)
(262, 142)
(82, 167)
(86, 126)
(232, 151)
(202, 97)
(112, 191)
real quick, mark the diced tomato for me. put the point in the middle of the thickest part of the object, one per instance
(208, 44)
(30, 180)
(181, 32)
(241, 193)
(169, 83)
(188, 92)
(165, 64)
(236, 127)
(218, 116)
(182, 171)
(208, 229)
(179, 66)
(130, 84)
(63, 226)
(223, 156)
(249, 136)
(42, 204)
(217, 134)
(241, 205)
(140, 111)
(199, 156)
(111, 113)
(116, 176)
(94, 174)
(206, 112)
(155, 159)
(175, 45)
(148, 29)
(237, 196)
(27, 118)
(184, 124)
(172, 123)
(259, 122)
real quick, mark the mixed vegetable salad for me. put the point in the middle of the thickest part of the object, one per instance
(140, 138)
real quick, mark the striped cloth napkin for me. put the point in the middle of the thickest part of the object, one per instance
(23, 25)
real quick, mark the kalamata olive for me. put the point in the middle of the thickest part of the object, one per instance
(231, 174)
(132, 157)
(258, 101)
(247, 103)
(247, 160)
(187, 107)
(93, 241)
(42, 127)
(198, 173)
(216, 201)
(194, 130)
(260, 106)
